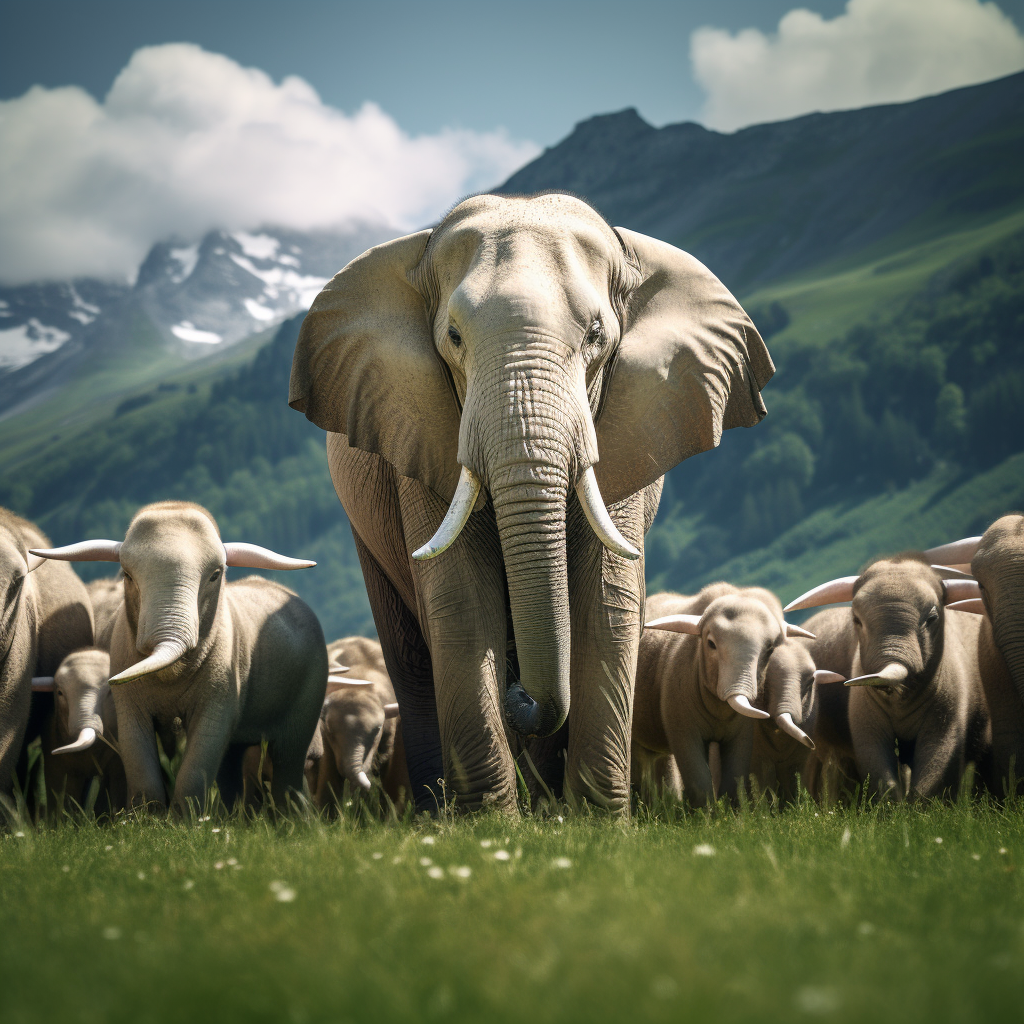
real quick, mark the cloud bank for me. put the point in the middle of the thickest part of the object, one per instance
(877, 51)
(188, 140)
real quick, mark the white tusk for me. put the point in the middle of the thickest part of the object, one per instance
(335, 667)
(34, 561)
(252, 556)
(822, 675)
(833, 592)
(739, 703)
(792, 630)
(894, 672)
(957, 553)
(959, 590)
(42, 684)
(348, 681)
(676, 624)
(164, 654)
(83, 551)
(391, 710)
(597, 515)
(455, 519)
(790, 728)
(86, 738)
(364, 781)
(951, 572)
(974, 605)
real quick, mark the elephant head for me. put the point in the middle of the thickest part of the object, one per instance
(997, 563)
(173, 563)
(352, 726)
(525, 348)
(82, 700)
(790, 690)
(898, 617)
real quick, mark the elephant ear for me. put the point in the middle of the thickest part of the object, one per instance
(365, 366)
(690, 364)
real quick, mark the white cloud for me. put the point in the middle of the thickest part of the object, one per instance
(188, 140)
(877, 51)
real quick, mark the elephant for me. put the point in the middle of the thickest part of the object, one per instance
(80, 736)
(237, 662)
(699, 688)
(106, 595)
(997, 562)
(487, 386)
(44, 615)
(915, 669)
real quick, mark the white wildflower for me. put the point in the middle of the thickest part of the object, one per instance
(461, 872)
(1002, 850)
(111, 933)
(214, 830)
(845, 841)
(283, 893)
(938, 839)
(703, 850)
(561, 862)
(141, 875)
(425, 862)
(436, 872)
(485, 843)
(231, 862)
(377, 856)
(427, 840)
(501, 855)
(188, 885)
(975, 856)
(66, 869)
(19, 835)
(108, 848)
(218, 865)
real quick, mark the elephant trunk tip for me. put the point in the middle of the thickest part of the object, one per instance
(527, 717)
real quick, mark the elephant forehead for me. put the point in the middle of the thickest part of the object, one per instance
(910, 583)
(742, 615)
(1002, 543)
(183, 535)
(88, 665)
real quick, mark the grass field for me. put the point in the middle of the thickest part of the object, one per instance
(888, 914)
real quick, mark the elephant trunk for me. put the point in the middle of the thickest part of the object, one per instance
(85, 723)
(168, 628)
(1008, 632)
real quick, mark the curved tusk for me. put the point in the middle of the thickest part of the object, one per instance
(792, 630)
(823, 675)
(951, 572)
(252, 556)
(833, 592)
(83, 551)
(455, 519)
(739, 703)
(364, 781)
(335, 667)
(42, 684)
(676, 624)
(959, 590)
(894, 672)
(790, 728)
(86, 738)
(957, 553)
(164, 654)
(391, 710)
(348, 681)
(974, 605)
(597, 515)
(34, 561)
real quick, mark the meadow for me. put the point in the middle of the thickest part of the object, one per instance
(896, 912)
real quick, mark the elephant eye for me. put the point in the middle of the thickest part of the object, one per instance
(711, 645)
(856, 621)
(595, 332)
(215, 575)
(932, 615)
(453, 333)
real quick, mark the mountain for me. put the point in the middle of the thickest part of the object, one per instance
(895, 320)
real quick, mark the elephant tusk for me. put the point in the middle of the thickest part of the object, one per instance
(974, 605)
(792, 630)
(676, 624)
(42, 684)
(951, 572)
(739, 703)
(364, 781)
(833, 592)
(597, 515)
(340, 681)
(894, 672)
(391, 710)
(823, 675)
(86, 738)
(165, 653)
(34, 561)
(959, 590)
(252, 556)
(83, 551)
(959, 552)
(790, 728)
(458, 515)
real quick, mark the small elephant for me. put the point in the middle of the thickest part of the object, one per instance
(80, 737)
(45, 614)
(237, 662)
(699, 688)
(915, 669)
(996, 560)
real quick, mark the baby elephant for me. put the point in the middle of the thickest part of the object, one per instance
(915, 673)
(80, 736)
(238, 662)
(700, 687)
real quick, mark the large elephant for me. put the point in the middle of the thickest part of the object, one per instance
(470, 378)
(44, 615)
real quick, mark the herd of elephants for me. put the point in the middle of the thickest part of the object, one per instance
(502, 396)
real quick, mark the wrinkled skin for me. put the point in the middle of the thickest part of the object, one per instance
(938, 712)
(683, 682)
(44, 615)
(82, 698)
(253, 664)
(524, 340)
(998, 566)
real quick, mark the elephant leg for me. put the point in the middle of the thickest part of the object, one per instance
(735, 756)
(230, 775)
(938, 763)
(874, 747)
(462, 602)
(691, 755)
(606, 600)
(137, 742)
(207, 741)
(409, 668)
(548, 756)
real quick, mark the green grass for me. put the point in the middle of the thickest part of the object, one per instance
(840, 915)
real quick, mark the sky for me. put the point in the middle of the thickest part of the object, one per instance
(122, 123)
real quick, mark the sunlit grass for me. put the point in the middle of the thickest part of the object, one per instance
(897, 913)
